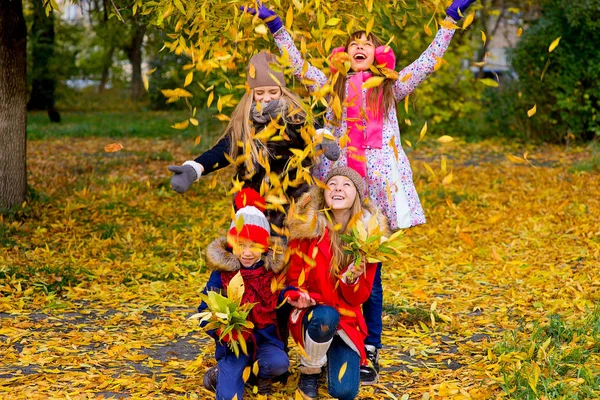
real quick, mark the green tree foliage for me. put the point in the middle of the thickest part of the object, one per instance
(563, 83)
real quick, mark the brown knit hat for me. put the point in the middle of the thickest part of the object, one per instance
(262, 74)
(351, 174)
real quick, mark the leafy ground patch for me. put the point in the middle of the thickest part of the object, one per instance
(497, 295)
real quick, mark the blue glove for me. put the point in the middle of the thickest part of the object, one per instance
(269, 17)
(452, 11)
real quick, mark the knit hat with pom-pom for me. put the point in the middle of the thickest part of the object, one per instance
(250, 218)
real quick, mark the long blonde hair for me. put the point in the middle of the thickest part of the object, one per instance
(340, 259)
(386, 88)
(240, 130)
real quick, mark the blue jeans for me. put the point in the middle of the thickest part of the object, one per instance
(272, 362)
(373, 309)
(347, 387)
(321, 328)
(323, 323)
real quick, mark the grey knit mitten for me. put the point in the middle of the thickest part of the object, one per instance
(332, 150)
(183, 178)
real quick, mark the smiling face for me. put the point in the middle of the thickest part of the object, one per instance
(340, 193)
(247, 251)
(361, 50)
(265, 94)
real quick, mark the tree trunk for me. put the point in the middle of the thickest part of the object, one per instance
(106, 66)
(42, 50)
(13, 104)
(134, 53)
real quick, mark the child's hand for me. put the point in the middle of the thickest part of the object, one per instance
(269, 17)
(183, 178)
(300, 299)
(354, 272)
(234, 335)
(456, 5)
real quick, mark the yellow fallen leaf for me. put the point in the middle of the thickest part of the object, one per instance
(447, 179)
(519, 32)
(113, 147)
(515, 159)
(445, 139)
(531, 112)
(222, 117)
(483, 37)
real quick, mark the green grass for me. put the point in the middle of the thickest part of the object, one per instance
(138, 124)
(590, 164)
(557, 360)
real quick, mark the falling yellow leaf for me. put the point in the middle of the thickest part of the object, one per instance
(251, 71)
(406, 77)
(261, 29)
(246, 374)
(483, 37)
(531, 112)
(301, 277)
(113, 147)
(342, 371)
(427, 30)
(373, 81)
(469, 20)
(181, 125)
(255, 368)
(423, 132)
(519, 32)
(222, 117)
(489, 82)
(445, 139)
(554, 44)
(188, 78)
(289, 18)
(209, 101)
(197, 140)
(447, 179)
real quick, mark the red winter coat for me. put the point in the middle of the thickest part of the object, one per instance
(310, 255)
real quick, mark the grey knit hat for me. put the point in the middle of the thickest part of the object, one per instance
(351, 174)
(261, 73)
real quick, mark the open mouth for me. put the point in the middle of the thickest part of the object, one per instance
(360, 57)
(337, 198)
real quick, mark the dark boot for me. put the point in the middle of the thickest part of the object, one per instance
(369, 374)
(210, 379)
(309, 386)
(264, 386)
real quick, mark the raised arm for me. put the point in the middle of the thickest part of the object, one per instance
(412, 76)
(313, 78)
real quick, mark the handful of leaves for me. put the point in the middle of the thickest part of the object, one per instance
(370, 242)
(228, 316)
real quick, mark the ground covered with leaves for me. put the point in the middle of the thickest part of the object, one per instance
(497, 295)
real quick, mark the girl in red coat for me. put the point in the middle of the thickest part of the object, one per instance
(325, 287)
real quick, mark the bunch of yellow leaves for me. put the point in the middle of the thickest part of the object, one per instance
(370, 242)
(227, 315)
